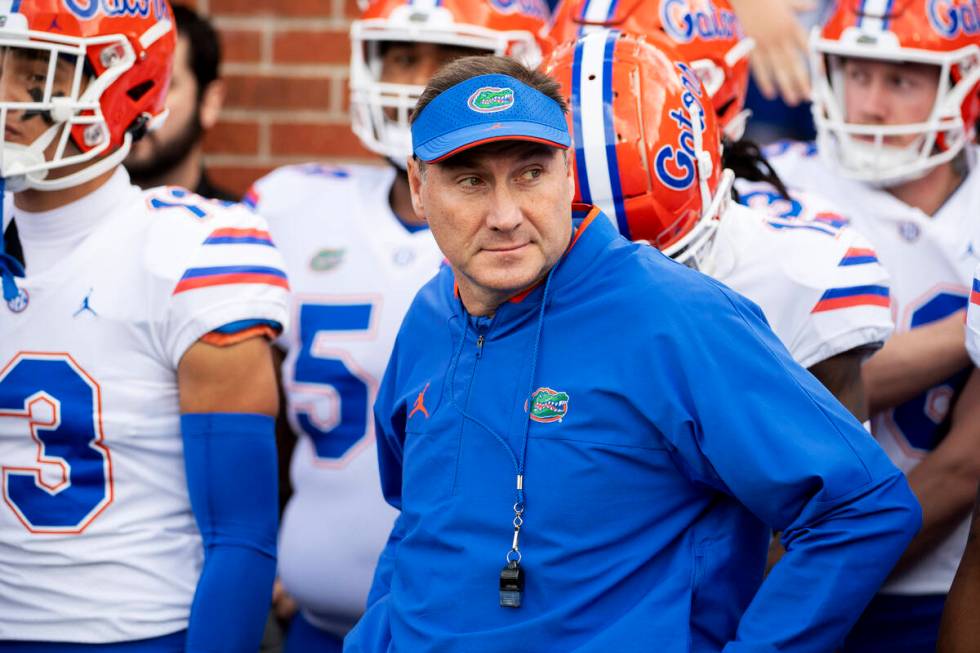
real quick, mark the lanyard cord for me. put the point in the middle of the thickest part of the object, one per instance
(9, 266)
(519, 464)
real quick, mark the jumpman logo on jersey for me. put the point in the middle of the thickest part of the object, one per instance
(419, 406)
(86, 306)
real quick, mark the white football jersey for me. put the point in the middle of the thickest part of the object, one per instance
(973, 320)
(930, 261)
(98, 542)
(354, 270)
(820, 285)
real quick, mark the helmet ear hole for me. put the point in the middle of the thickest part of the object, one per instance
(137, 92)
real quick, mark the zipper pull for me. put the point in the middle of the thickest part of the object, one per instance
(479, 345)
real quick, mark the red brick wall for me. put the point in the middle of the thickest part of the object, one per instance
(286, 65)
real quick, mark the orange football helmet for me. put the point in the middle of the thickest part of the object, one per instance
(705, 32)
(121, 57)
(379, 110)
(647, 145)
(943, 33)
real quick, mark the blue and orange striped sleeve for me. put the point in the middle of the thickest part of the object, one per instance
(234, 286)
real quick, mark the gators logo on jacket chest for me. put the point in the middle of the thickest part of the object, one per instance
(547, 405)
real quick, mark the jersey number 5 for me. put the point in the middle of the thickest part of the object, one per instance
(69, 482)
(330, 401)
(921, 420)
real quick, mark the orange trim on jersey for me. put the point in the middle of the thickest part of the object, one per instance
(222, 279)
(859, 251)
(849, 302)
(494, 139)
(233, 232)
(228, 339)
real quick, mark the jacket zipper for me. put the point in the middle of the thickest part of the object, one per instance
(466, 405)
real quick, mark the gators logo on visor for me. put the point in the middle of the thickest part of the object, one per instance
(548, 405)
(490, 99)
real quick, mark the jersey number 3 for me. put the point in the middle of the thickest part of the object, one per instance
(322, 373)
(69, 482)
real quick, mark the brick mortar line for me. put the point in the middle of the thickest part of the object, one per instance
(242, 160)
(285, 70)
(224, 21)
(265, 47)
(325, 117)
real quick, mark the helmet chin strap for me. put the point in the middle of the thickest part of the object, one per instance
(397, 140)
(22, 165)
(20, 162)
(88, 172)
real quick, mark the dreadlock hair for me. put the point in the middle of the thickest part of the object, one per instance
(746, 160)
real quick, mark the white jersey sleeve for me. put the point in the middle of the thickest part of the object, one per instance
(973, 321)
(820, 284)
(228, 276)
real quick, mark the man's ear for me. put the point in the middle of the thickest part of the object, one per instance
(212, 100)
(415, 181)
(570, 170)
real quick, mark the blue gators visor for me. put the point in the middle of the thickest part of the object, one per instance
(485, 109)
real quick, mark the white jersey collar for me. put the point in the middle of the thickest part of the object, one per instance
(49, 236)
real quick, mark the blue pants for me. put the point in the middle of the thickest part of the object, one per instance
(167, 644)
(897, 624)
(304, 637)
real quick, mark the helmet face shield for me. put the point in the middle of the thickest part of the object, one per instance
(46, 96)
(75, 86)
(905, 145)
(380, 106)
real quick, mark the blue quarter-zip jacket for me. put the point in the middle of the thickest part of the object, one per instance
(688, 433)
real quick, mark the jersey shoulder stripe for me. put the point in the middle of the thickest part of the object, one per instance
(858, 256)
(837, 298)
(973, 321)
(232, 236)
(231, 274)
(819, 227)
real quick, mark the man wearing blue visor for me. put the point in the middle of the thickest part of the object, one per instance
(589, 443)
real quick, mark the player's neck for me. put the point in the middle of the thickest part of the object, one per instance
(186, 174)
(400, 199)
(930, 192)
(40, 201)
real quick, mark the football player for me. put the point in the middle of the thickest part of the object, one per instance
(662, 179)
(357, 253)
(895, 104)
(137, 390)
